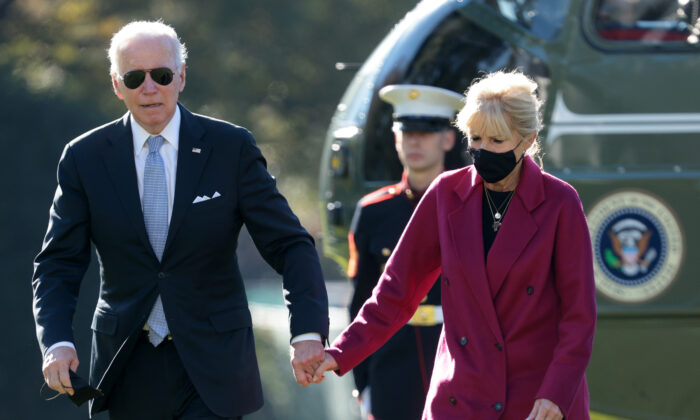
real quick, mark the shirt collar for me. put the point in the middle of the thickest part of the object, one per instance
(171, 132)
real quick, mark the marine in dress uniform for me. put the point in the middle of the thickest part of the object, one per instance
(393, 382)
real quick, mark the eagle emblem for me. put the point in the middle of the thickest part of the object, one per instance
(638, 246)
(630, 253)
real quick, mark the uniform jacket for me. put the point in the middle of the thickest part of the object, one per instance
(97, 201)
(400, 369)
(519, 325)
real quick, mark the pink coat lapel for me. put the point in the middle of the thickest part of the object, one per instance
(486, 278)
(518, 226)
(465, 231)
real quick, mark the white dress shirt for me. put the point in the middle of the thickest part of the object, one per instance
(168, 151)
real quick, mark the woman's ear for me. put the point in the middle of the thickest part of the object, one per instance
(530, 140)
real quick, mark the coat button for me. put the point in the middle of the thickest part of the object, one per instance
(498, 406)
(499, 346)
(161, 275)
(453, 400)
(530, 290)
(463, 341)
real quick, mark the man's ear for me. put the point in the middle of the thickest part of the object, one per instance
(115, 86)
(182, 77)
(448, 139)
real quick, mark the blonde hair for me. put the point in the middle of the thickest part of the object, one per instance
(141, 29)
(501, 103)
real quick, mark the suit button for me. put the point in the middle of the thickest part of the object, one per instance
(463, 341)
(453, 400)
(498, 346)
(530, 290)
(498, 406)
(161, 275)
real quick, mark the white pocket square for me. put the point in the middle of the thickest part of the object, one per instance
(201, 198)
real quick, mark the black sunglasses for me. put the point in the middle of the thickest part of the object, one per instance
(133, 79)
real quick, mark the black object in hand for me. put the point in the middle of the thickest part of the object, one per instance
(82, 391)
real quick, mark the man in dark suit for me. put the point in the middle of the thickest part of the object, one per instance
(162, 194)
(392, 383)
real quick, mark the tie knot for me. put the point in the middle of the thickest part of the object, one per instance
(154, 143)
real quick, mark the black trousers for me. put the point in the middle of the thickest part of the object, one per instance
(155, 386)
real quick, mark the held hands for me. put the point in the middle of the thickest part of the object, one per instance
(309, 362)
(328, 363)
(55, 369)
(544, 409)
(305, 356)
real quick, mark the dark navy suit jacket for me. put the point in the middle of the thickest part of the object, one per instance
(97, 201)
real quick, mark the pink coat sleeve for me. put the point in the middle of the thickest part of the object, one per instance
(409, 274)
(575, 285)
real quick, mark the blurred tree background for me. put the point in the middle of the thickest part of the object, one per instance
(263, 64)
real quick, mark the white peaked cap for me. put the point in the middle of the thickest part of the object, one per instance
(422, 101)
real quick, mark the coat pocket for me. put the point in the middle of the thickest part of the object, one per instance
(231, 320)
(104, 322)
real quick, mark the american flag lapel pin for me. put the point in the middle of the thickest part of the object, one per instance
(196, 150)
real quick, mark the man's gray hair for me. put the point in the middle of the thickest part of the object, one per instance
(145, 29)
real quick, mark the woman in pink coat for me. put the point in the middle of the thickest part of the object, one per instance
(518, 295)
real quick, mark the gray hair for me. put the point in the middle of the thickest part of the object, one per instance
(145, 29)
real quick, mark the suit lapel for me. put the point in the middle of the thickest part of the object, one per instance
(466, 235)
(189, 170)
(518, 226)
(118, 156)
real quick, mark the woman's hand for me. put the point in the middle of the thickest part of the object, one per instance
(328, 363)
(543, 410)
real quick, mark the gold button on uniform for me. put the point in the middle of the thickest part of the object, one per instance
(386, 252)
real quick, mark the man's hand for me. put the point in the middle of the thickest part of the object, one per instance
(545, 410)
(328, 363)
(305, 357)
(55, 369)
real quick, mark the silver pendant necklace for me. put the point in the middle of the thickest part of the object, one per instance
(497, 216)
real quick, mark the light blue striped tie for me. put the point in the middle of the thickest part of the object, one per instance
(155, 215)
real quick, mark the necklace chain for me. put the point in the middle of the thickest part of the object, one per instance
(497, 215)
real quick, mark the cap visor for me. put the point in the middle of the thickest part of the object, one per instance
(422, 124)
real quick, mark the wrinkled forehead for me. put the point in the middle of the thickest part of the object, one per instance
(146, 52)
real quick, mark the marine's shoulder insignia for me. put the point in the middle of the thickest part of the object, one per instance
(382, 194)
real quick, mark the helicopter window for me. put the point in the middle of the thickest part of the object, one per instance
(648, 21)
(544, 18)
(449, 58)
(457, 51)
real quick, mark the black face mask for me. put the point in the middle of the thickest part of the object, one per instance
(493, 167)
